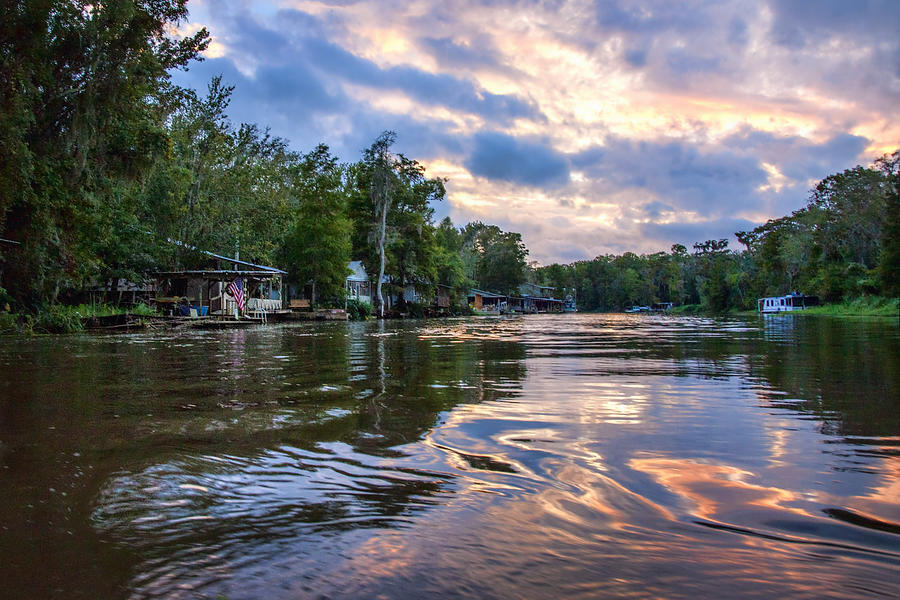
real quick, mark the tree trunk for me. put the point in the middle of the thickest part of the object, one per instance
(381, 253)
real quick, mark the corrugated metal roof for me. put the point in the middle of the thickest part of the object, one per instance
(226, 258)
(220, 273)
(485, 294)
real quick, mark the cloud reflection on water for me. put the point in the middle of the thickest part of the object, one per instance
(553, 456)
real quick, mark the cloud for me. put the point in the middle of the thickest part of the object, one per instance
(503, 157)
(688, 234)
(801, 22)
(654, 16)
(798, 158)
(477, 54)
(590, 127)
(705, 181)
(684, 63)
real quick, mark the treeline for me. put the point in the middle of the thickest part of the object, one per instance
(106, 164)
(844, 244)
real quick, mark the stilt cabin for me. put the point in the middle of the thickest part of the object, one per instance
(204, 292)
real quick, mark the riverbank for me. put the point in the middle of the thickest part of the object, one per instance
(62, 318)
(864, 306)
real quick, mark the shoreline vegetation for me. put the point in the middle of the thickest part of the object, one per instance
(73, 319)
(167, 178)
(864, 306)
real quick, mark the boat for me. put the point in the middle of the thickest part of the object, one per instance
(788, 303)
(569, 304)
(637, 309)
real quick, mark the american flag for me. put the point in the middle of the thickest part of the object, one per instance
(236, 290)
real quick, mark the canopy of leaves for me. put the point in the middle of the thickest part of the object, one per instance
(84, 93)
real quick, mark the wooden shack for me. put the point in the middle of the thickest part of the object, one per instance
(202, 292)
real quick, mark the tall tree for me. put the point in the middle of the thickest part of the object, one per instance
(889, 260)
(712, 256)
(392, 215)
(317, 249)
(449, 265)
(380, 163)
(496, 258)
(220, 188)
(83, 91)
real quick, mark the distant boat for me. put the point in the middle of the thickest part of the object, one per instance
(569, 304)
(791, 302)
(637, 309)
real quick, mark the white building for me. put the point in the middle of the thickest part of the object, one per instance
(358, 285)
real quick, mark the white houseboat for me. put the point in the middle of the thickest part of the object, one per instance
(793, 301)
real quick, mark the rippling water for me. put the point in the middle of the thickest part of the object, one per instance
(535, 457)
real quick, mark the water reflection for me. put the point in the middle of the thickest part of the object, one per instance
(567, 455)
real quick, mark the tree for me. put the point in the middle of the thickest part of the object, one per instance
(381, 162)
(392, 216)
(889, 259)
(449, 265)
(712, 256)
(317, 249)
(413, 249)
(84, 94)
(497, 259)
(220, 188)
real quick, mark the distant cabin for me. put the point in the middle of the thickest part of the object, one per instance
(790, 302)
(358, 285)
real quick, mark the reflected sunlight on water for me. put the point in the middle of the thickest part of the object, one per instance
(545, 456)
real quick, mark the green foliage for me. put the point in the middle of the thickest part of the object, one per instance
(84, 91)
(62, 318)
(317, 249)
(220, 188)
(9, 323)
(889, 260)
(390, 208)
(415, 310)
(358, 310)
(688, 309)
(495, 259)
(864, 306)
(840, 245)
(58, 319)
(713, 260)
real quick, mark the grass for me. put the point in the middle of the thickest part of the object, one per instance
(864, 306)
(687, 309)
(61, 318)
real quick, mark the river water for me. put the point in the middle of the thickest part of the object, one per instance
(547, 456)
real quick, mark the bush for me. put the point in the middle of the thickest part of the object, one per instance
(358, 310)
(462, 310)
(415, 310)
(142, 309)
(8, 323)
(687, 309)
(57, 318)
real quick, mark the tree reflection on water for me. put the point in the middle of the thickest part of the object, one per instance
(490, 457)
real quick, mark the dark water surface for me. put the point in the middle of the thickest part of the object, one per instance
(575, 456)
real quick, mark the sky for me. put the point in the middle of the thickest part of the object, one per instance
(589, 127)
